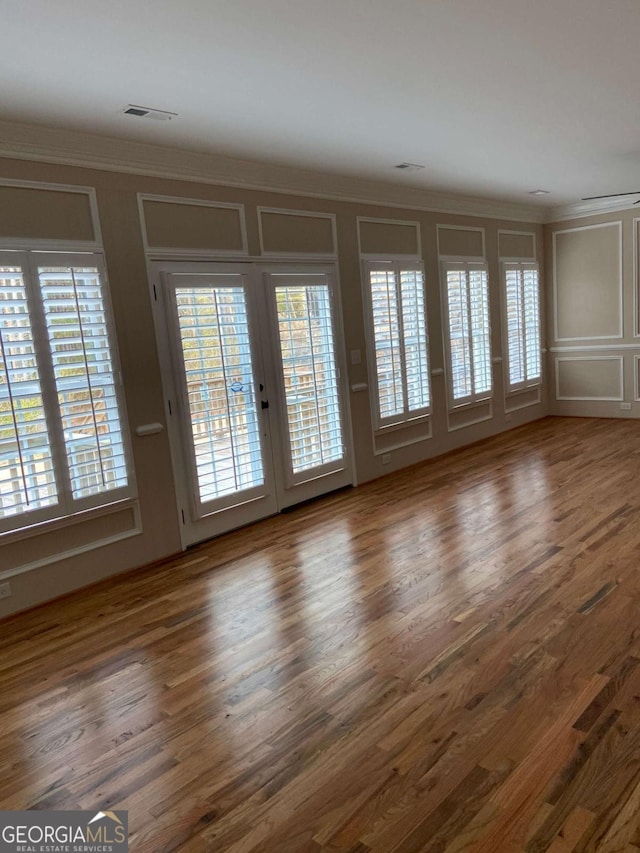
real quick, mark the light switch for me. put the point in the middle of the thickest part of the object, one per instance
(356, 356)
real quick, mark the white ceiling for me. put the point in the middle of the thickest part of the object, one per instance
(495, 98)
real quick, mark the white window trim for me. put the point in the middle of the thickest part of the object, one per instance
(387, 256)
(170, 252)
(406, 418)
(304, 214)
(29, 244)
(326, 278)
(466, 265)
(66, 506)
(526, 384)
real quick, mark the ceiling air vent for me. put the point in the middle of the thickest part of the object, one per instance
(148, 112)
(409, 167)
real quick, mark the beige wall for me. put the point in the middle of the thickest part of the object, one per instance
(40, 214)
(123, 244)
(193, 226)
(592, 324)
(460, 242)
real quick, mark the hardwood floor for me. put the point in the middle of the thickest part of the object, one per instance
(447, 659)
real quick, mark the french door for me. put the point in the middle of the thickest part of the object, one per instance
(252, 365)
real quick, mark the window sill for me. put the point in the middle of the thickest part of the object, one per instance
(523, 389)
(470, 404)
(406, 424)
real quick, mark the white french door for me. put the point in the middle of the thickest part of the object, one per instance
(253, 375)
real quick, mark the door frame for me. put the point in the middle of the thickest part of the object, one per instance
(306, 489)
(238, 516)
(245, 511)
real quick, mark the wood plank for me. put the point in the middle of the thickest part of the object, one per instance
(444, 659)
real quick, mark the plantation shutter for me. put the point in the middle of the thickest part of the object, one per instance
(414, 327)
(522, 301)
(480, 330)
(400, 340)
(27, 476)
(76, 320)
(531, 287)
(310, 372)
(218, 388)
(468, 331)
(62, 444)
(515, 315)
(459, 334)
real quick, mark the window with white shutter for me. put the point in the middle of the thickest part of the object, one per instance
(398, 341)
(310, 373)
(522, 324)
(27, 477)
(62, 441)
(467, 333)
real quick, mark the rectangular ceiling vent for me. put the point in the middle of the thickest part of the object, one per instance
(148, 112)
(410, 167)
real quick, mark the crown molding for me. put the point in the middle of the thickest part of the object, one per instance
(580, 209)
(73, 148)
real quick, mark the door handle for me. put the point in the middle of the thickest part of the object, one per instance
(264, 404)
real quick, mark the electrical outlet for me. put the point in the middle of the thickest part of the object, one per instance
(386, 458)
(625, 407)
(5, 590)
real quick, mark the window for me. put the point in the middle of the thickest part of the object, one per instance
(468, 340)
(310, 373)
(218, 386)
(62, 445)
(522, 315)
(400, 360)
